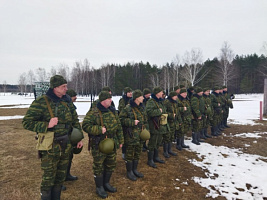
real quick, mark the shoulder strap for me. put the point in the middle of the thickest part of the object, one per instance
(48, 106)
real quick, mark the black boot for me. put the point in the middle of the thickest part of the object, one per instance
(56, 192)
(99, 187)
(123, 150)
(198, 137)
(206, 133)
(170, 150)
(165, 150)
(106, 184)
(179, 144)
(194, 138)
(144, 149)
(202, 135)
(150, 161)
(156, 157)
(69, 177)
(225, 124)
(63, 188)
(183, 144)
(213, 131)
(130, 174)
(46, 194)
(136, 173)
(218, 131)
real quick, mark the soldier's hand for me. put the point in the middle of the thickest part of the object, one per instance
(120, 145)
(79, 144)
(136, 122)
(174, 115)
(199, 117)
(104, 130)
(219, 104)
(160, 110)
(185, 108)
(53, 122)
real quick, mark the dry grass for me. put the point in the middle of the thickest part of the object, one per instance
(20, 172)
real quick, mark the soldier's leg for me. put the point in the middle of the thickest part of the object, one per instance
(195, 132)
(69, 177)
(137, 153)
(165, 141)
(170, 143)
(156, 150)
(109, 167)
(129, 162)
(150, 153)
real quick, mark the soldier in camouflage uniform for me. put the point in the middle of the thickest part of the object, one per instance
(133, 118)
(54, 162)
(229, 104)
(216, 104)
(174, 122)
(147, 95)
(208, 112)
(106, 88)
(190, 92)
(101, 122)
(154, 110)
(186, 115)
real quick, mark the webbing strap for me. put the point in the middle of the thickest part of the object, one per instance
(48, 106)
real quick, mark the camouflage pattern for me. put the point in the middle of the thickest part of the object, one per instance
(228, 104)
(92, 125)
(198, 109)
(153, 113)
(186, 115)
(54, 162)
(216, 104)
(124, 101)
(174, 118)
(94, 104)
(209, 115)
(145, 101)
(127, 116)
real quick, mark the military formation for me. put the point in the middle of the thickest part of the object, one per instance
(145, 121)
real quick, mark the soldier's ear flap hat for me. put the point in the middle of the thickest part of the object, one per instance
(71, 93)
(205, 89)
(127, 89)
(183, 91)
(191, 88)
(198, 89)
(56, 81)
(146, 91)
(224, 87)
(157, 90)
(106, 88)
(176, 87)
(172, 94)
(137, 93)
(216, 88)
(182, 86)
(103, 95)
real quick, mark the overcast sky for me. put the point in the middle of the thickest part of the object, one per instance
(38, 33)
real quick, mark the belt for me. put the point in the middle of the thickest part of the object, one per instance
(60, 126)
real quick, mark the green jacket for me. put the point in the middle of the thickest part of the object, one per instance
(216, 103)
(208, 105)
(185, 114)
(172, 108)
(197, 106)
(124, 101)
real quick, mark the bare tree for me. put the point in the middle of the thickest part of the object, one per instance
(4, 87)
(264, 48)
(63, 70)
(193, 65)
(154, 79)
(41, 75)
(22, 82)
(176, 64)
(225, 64)
(31, 79)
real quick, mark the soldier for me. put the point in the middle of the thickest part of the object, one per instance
(198, 109)
(147, 94)
(103, 122)
(106, 88)
(223, 104)
(124, 101)
(190, 92)
(174, 122)
(186, 115)
(157, 121)
(216, 104)
(134, 118)
(229, 104)
(53, 115)
(177, 89)
(208, 112)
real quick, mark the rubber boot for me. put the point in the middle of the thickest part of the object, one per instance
(56, 192)
(46, 194)
(198, 137)
(179, 144)
(194, 138)
(202, 135)
(156, 157)
(165, 150)
(183, 144)
(225, 124)
(144, 149)
(69, 177)
(106, 184)
(100, 191)
(150, 161)
(136, 173)
(218, 131)
(170, 150)
(213, 131)
(206, 133)
(130, 174)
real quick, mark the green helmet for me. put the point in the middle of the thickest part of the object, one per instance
(106, 146)
(229, 101)
(209, 110)
(145, 135)
(76, 136)
(77, 150)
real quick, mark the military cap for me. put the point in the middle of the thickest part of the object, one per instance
(183, 91)
(103, 95)
(172, 94)
(216, 88)
(106, 88)
(182, 86)
(157, 90)
(205, 89)
(198, 89)
(56, 81)
(137, 93)
(224, 86)
(176, 87)
(127, 89)
(191, 88)
(146, 91)
(71, 93)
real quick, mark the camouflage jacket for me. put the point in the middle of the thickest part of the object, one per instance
(197, 106)
(153, 113)
(145, 100)
(124, 101)
(229, 103)
(92, 123)
(216, 102)
(37, 117)
(185, 114)
(174, 116)
(208, 105)
(94, 104)
(127, 116)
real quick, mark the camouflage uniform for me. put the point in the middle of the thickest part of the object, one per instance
(216, 104)
(228, 105)
(209, 113)
(54, 162)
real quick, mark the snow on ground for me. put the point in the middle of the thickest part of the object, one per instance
(234, 174)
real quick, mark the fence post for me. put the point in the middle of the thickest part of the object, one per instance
(260, 110)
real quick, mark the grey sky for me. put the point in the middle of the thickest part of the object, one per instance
(38, 33)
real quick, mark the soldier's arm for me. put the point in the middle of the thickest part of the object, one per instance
(152, 109)
(125, 119)
(195, 107)
(75, 121)
(119, 132)
(90, 126)
(169, 109)
(121, 104)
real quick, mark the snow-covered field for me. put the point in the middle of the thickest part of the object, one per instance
(235, 174)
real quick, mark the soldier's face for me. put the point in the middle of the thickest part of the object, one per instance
(159, 95)
(174, 98)
(60, 90)
(140, 99)
(178, 91)
(129, 94)
(200, 93)
(207, 92)
(148, 95)
(106, 103)
(184, 95)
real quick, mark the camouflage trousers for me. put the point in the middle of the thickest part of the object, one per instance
(154, 141)
(215, 120)
(54, 163)
(183, 130)
(103, 162)
(166, 138)
(197, 125)
(133, 152)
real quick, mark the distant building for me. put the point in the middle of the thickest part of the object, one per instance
(40, 88)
